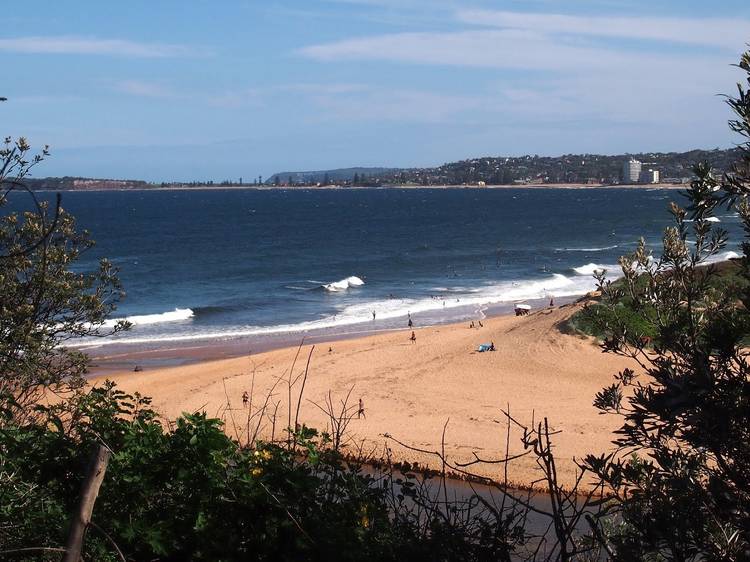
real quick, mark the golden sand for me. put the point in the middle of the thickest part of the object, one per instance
(410, 390)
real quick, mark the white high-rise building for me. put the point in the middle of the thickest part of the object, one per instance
(631, 171)
(650, 176)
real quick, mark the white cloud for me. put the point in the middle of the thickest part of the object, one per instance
(577, 75)
(71, 45)
(499, 49)
(145, 89)
(714, 32)
(544, 41)
(400, 105)
(330, 88)
(236, 98)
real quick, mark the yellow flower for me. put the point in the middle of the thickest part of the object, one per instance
(364, 520)
(257, 471)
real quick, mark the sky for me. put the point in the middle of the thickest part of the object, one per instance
(199, 90)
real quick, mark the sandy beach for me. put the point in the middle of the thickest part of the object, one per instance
(411, 390)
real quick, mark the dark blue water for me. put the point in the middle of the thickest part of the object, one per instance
(218, 264)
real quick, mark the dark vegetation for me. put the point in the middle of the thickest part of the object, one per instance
(199, 488)
(635, 316)
(675, 167)
(569, 168)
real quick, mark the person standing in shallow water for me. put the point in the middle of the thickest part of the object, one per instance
(373, 316)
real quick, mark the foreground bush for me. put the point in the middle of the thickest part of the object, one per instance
(192, 493)
(681, 476)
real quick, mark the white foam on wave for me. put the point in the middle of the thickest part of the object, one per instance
(591, 268)
(509, 292)
(707, 219)
(176, 315)
(602, 249)
(361, 314)
(725, 256)
(344, 284)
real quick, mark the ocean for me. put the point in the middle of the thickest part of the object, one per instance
(218, 265)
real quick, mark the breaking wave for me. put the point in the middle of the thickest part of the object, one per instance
(602, 249)
(176, 315)
(452, 304)
(591, 268)
(344, 284)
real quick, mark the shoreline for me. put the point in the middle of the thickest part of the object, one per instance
(583, 186)
(411, 390)
(117, 356)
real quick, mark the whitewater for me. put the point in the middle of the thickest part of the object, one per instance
(256, 264)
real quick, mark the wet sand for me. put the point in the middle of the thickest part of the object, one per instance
(412, 390)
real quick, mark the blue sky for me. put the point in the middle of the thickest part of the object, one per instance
(182, 90)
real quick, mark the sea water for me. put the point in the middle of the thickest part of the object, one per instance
(224, 264)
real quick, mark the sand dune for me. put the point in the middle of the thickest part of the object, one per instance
(410, 390)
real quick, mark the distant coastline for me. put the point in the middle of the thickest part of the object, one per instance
(570, 171)
(364, 188)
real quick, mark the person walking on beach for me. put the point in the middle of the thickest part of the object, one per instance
(551, 302)
(361, 410)
(413, 337)
(245, 399)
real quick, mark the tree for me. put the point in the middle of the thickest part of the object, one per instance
(681, 476)
(44, 303)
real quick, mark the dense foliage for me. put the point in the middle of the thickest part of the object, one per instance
(191, 493)
(44, 302)
(680, 477)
